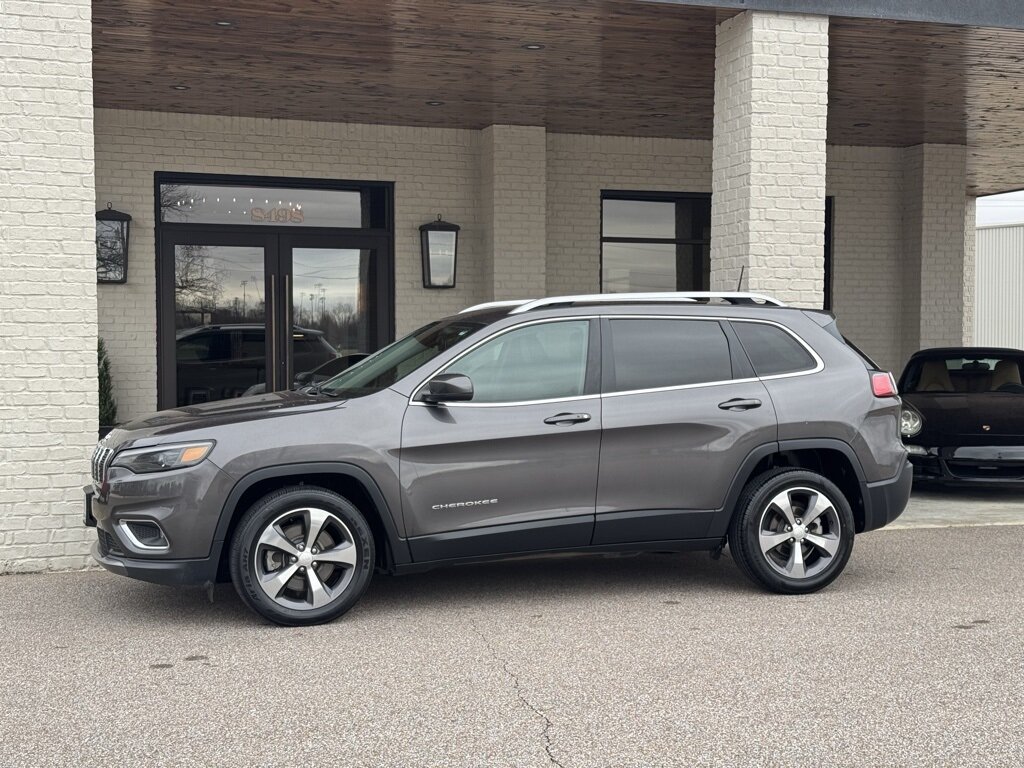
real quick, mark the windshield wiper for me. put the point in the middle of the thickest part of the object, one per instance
(318, 391)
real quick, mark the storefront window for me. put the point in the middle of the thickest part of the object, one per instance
(655, 242)
(271, 206)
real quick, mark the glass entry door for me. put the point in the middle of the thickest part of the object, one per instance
(335, 302)
(242, 313)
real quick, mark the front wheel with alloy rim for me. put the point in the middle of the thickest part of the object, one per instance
(792, 532)
(302, 555)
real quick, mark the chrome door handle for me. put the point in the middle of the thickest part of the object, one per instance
(740, 404)
(567, 418)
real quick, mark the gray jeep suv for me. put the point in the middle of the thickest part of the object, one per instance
(661, 422)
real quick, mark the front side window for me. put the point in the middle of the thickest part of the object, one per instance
(397, 360)
(653, 353)
(655, 242)
(537, 362)
(773, 351)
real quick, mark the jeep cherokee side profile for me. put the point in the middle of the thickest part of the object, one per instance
(631, 422)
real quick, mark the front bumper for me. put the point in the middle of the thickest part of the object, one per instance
(178, 572)
(884, 501)
(969, 465)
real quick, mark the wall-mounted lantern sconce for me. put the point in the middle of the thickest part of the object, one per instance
(112, 245)
(439, 243)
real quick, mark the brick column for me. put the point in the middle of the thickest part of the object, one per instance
(938, 248)
(48, 393)
(513, 176)
(768, 155)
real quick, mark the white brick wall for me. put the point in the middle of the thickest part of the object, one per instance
(771, 104)
(513, 177)
(435, 170)
(48, 399)
(579, 167)
(867, 282)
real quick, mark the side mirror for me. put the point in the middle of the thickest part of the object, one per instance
(447, 388)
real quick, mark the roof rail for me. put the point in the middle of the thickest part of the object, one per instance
(689, 297)
(494, 305)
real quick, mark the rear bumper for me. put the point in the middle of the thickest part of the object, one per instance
(970, 465)
(884, 501)
(177, 572)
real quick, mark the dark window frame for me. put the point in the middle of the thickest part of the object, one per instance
(829, 214)
(272, 238)
(701, 267)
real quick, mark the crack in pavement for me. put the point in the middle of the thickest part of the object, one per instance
(546, 733)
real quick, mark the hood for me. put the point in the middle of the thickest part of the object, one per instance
(982, 418)
(219, 413)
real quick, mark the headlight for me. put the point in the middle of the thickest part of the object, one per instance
(159, 458)
(910, 422)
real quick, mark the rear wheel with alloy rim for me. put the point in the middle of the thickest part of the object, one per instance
(302, 555)
(792, 532)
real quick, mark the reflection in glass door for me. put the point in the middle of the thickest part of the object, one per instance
(329, 295)
(220, 321)
(331, 288)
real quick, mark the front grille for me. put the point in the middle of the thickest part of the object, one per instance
(100, 461)
(108, 544)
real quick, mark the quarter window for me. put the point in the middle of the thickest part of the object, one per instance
(772, 350)
(536, 362)
(647, 354)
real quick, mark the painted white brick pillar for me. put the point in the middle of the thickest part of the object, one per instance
(513, 176)
(938, 248)
(48, 394)
(768, 155)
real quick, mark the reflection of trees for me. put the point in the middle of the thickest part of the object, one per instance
(170, 196)
(341, 324)
(197, 283)
(111, 250)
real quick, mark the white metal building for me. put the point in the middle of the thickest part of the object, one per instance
(999, 291)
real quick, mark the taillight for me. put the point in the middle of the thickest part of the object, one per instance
(883, 385)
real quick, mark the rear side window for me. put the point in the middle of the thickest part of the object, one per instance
(772, 350)
(646, 354)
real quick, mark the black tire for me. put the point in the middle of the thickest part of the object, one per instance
(756, 516)
(247, 555)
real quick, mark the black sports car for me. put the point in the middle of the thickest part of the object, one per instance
(963, 414)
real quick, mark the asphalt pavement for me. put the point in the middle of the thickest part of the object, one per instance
(914, 657)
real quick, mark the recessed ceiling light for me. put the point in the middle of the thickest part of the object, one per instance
(532, 47)
(660, 114)
(180, 87)
(224, 23)
(862, 125)
(435, 103)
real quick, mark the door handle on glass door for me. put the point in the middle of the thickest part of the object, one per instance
(567, 418)
(740, 404)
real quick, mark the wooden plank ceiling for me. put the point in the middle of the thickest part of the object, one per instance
(618, 67)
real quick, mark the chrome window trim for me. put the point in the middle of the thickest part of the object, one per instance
(481, 342)
(674, 387)
(819, 364)
(126, 531)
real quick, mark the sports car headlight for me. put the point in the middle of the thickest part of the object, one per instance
(159, 458)
(910, 422)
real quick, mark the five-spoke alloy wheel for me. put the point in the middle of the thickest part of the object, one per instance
(792, 532)
(302, 555)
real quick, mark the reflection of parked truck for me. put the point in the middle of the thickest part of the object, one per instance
(216, 362)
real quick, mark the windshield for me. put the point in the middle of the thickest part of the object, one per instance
(399, 359)
(959, 374)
